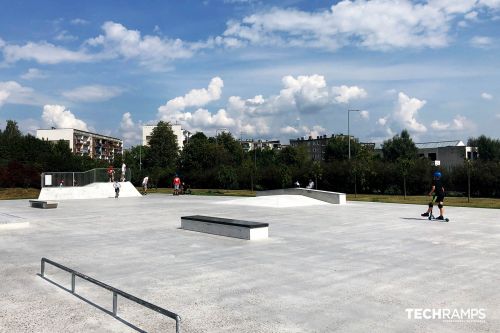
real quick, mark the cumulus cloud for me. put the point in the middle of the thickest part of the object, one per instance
(14, 93)
(33, 73)
(3, 97)
(481, 41)
(92, 93)
(459, 123)
(172, 110)
(289, 130)
(407, 111)
(130, 131)
(303, 94)
(392, 24)
(365, 114)
(345, 94)
(486, 96)
(58, 116)
(153, 51)
(79, 21)
(44, 53)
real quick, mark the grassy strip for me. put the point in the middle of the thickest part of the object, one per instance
(214, 192)
(424, 200)
(18, 193)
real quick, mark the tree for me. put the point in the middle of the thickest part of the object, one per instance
(400, 146)
(316, 172)
(488, 149)
(404, 164)
(338, 148)
(164, 150)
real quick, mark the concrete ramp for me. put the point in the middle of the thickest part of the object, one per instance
(91, 191)
(326, 196)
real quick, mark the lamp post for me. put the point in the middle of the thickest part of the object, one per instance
(349, 128)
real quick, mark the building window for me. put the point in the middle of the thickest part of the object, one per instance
(432, 156)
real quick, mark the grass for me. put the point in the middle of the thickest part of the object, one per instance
(214, 192)
(423, 200)
(18, 193)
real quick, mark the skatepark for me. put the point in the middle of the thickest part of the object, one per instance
(353, 267)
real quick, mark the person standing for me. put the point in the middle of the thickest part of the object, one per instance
(145, 185)
(437, 193)
(124, 170)
(177, 184)
(111, 174)
(117, 187)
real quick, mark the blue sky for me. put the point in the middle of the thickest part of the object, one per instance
(262, 69)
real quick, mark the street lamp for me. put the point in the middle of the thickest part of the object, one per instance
(349, 128)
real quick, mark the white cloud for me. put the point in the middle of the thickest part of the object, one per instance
(4, 94)
(57, 116)
(459, 123)
(346, 94)
(204, 119)
(487, 96)
(152, 51)
(407, 111)
(289, 130)
(92, 93)
(65, 36)
(130, 131)
(33, 73)
(14, 93)
(44, 53)
(382, 121)
(365, 114)
(194, 98)
(79, 21)
(481, 41)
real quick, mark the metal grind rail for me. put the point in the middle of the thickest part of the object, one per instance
(115, 292)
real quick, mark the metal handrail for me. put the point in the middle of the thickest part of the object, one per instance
(114, 290)
(82, 178)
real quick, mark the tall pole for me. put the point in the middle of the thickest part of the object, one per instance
(140, 158)
(349, 128)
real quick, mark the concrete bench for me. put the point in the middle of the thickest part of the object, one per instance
(225, 227)
(43, 204)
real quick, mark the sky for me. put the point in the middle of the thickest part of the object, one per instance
(259, 69)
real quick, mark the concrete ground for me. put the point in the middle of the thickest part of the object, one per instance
(325, 268)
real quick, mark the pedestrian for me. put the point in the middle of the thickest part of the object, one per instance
(310, 185)
(297, 184)
(437, 193)
(145, 185)
(117, 186)
(111, 173)
(177, 184)
(124, 170)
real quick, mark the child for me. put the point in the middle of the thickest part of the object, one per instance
(437, 192)
(145, 185)
(117, 186)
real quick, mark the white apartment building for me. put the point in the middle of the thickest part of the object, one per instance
(176, 128)
(84, 143)
(448, 153)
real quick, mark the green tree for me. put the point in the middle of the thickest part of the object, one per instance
(400, 146)
(164, 150)
(338, 148)
(488, 148)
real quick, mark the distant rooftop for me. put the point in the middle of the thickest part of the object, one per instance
(439, 144)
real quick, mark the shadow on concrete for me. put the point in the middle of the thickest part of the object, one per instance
(132, 326)
(415, 219)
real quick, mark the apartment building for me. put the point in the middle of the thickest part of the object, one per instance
(84, 143)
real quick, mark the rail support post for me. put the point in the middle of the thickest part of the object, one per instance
(115, 303)
(73, 283)
(42, 269)
(177, 324)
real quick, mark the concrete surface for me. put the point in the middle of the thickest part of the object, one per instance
(326, 196)
(325, 268)
(91, 191)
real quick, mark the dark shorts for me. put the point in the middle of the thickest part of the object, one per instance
(438, 198)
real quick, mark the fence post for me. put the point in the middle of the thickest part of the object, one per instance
(115, 303)
(73, 179)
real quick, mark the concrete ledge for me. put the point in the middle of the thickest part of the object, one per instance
(43, 204)
(326, 196)
(91, 191)
(225, 227)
